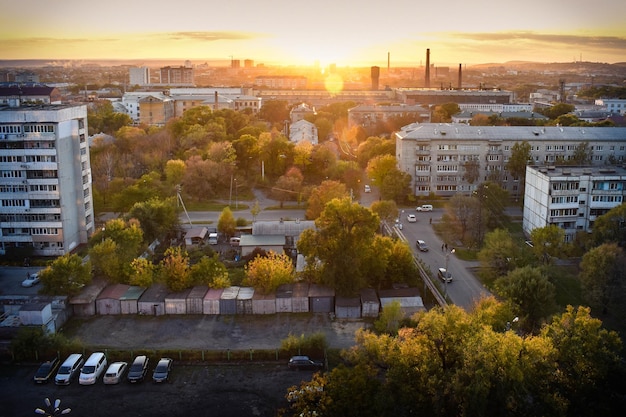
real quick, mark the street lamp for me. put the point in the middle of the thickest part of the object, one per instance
(52, 411)
(510, 323)
(446, 278)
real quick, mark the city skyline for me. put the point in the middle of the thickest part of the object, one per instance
(282, 32)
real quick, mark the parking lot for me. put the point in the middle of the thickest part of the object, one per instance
(237, 390)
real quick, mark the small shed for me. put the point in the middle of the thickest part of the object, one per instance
(284, 294)
(348, 307)
(300, 297)
(195, 235)
(128, 301)
(84, 303)
(263, 303)
(35, 314)
(176, 302)
(370, 304)
(195, 299)
(274, 243)
(244, 300)
(211, 301)
(409, 299)
(109, 300)
(228, 300)
(321, 299)
(152, 301)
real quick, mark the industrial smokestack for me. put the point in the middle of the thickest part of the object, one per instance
(388, 62)
(460, 77)
(427, 77)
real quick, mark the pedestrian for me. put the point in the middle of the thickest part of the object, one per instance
(430, 221)
(446, 246)
(442, 246)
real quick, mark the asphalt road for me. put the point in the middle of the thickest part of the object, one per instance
(465, 289)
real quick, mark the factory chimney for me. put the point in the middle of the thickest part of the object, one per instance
(460, 77)
(427, 77)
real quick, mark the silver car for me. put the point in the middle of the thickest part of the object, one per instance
(114, 373)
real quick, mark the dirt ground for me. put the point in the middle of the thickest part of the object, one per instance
(209, 332)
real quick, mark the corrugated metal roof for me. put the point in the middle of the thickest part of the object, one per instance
(262, 240)
(285, 227)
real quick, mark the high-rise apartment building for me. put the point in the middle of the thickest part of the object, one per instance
(139, 76)
(45, 179)
(176, 76)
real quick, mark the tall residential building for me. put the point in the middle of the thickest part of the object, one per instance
(45, 179)
(571, 197)
(176, 76)
(445, 159)
(139, 76)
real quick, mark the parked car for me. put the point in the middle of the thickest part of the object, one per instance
(115, 372)
(162, 371)
(304, 363)
(445, 276)
(32, 279)
(425, 207)
(421, 245)
(235, 241)
(69, 369)
(138, 369)
(45, 371)
(411, 218)
(93, 368)
(368, 189)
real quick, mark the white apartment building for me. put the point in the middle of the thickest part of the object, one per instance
(45, 179)
(613, 105)
(139, 76)
(445, 159)
(571, 197)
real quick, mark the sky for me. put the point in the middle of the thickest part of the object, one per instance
(291, 32)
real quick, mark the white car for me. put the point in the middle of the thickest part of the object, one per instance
(114, 374)
(31, 280)
(368, 189)
(425, 207)
(411, 218)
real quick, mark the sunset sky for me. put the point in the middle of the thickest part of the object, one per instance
(289, 32)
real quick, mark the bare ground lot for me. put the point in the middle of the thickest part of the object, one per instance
(209, 332)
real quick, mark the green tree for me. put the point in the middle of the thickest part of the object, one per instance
(548, 242)
(557, 110)
(341, 241)
(143, 272)
(390, 319)
(157, 218)
(395, 186)
(114, 247)
(266, 273)
(374, 146)
(275, 112)
(498, 254)
(174, 172)
(387, 210)
(288, 186)
(103, 257)
(210, 271)
(226, 224)
(174, 269)
(531, 292)
(602, 277)
(611, 227)
(380, 167)
(589, 363)
(66, 275)
(472, 171)
(520, 157)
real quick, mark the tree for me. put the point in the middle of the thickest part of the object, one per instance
(395, 186)
(583, 154)
(175, 269)
(275, 111)
(520, 157)
(114, 247)
(390, 319)
(461, 210)
(589, 363)
(387, 210)
(380, 166)
(602, 277)
(341, 243)
(531, 292)
(66, 275)
(174, 172)
(288, 186)
(374, 146)
(548, 242)
(226, 224)
(103, 257)
(157, 218)
(557, 110)
(327, 191)
(266, 273)
(472, 170)
(498, 254)
(143, 272)
(611, 227)
(211, 272)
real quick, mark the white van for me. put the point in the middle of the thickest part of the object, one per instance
(68, 369)
(92, 369)
(212, 238)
